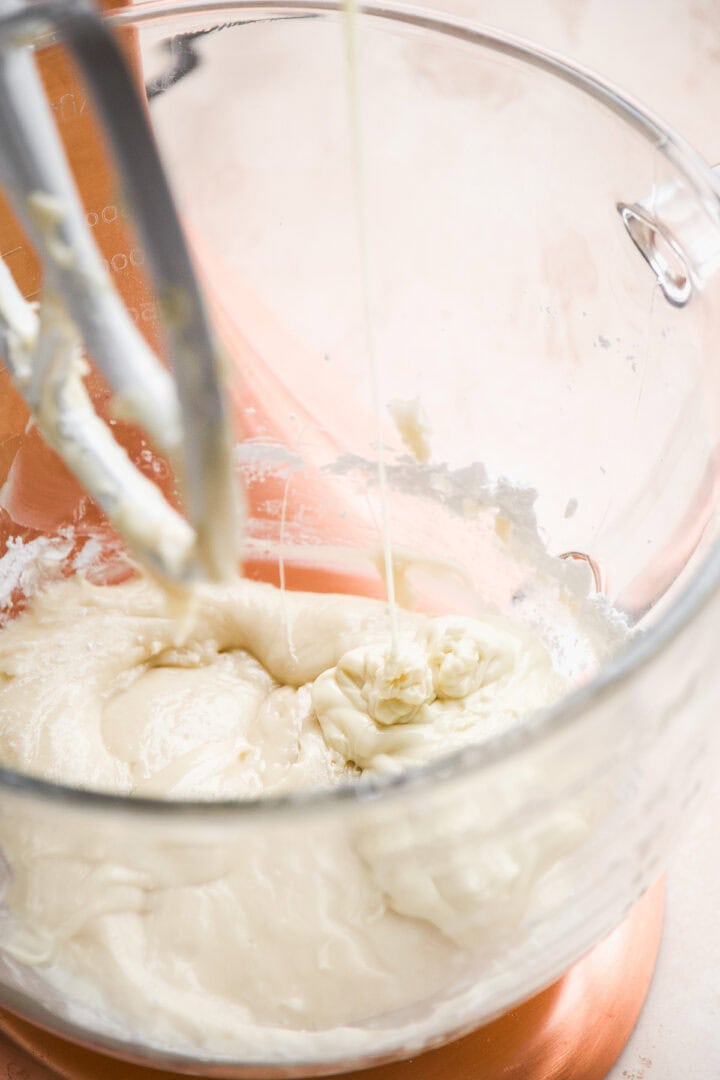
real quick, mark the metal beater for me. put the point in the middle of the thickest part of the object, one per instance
(43, 345)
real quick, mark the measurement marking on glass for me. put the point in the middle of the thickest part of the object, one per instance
(106, 216)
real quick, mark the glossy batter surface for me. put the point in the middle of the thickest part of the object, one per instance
(245, 692)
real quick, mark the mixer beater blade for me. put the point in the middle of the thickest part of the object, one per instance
(43, 345)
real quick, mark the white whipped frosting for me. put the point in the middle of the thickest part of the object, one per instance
(452, 681)
(227, 945)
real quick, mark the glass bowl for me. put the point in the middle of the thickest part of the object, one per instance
(542, 276)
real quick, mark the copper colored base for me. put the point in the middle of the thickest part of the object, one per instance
(574, 1030)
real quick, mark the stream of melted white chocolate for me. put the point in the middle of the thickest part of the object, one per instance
(357, 146)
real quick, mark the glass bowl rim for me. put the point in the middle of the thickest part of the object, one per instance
(641, 650)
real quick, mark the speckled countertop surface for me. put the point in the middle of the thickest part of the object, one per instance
(667, 53)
